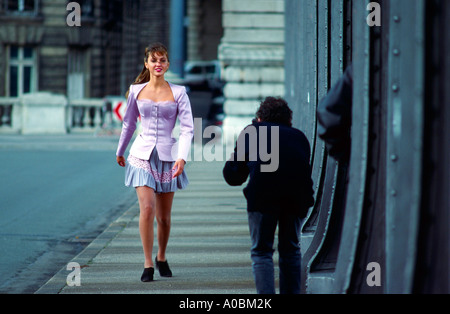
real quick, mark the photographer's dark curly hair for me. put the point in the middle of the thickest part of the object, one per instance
(275, 109)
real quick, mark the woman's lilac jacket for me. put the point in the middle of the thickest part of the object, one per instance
(157, 121)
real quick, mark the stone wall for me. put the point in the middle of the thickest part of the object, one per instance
(252, 55)
(111, 38)
(204, 29)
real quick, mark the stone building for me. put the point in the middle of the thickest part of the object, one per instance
(252, 56)
(204, 29)
(39, 51)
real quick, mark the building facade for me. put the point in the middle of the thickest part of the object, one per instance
(39, 51)
(204, 29)
(252, 55)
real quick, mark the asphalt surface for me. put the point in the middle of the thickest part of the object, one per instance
(63, 200)
(57, 194)
(208, 251)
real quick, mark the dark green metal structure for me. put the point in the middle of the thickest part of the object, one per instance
(390, 205)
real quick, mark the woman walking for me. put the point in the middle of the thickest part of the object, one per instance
(155, 165)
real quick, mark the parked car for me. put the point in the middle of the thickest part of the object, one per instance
(202, 75)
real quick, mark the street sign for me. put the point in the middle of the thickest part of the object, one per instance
(119, 111)
(118, 106)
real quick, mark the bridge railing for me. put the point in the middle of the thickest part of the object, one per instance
(20, 116)
(9, 107)
(87, 114)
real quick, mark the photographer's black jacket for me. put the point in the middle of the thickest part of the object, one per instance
(290, 187)
(334, 115)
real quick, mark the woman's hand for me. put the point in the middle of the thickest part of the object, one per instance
(121, 161)
(179, 166)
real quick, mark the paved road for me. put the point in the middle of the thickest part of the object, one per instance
(208, 251)
(57, 193)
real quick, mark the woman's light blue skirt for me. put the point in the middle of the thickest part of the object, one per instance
(154, 173)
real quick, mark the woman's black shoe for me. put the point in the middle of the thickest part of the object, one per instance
(147, 275)
(163, 268)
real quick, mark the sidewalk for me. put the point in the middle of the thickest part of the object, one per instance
(208, 250)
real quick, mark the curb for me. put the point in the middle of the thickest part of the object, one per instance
(58, 282)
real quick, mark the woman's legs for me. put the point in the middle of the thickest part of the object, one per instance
(151, 205)
(163, 218)
(147, 206)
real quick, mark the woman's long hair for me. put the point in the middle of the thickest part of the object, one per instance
(150, 51)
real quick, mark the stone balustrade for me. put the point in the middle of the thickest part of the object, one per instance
(46, 113)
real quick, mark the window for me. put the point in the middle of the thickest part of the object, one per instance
(22, 70)
(77, 71)
(87, 8)
(196, 70)
(21, 7)
(211, 69)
